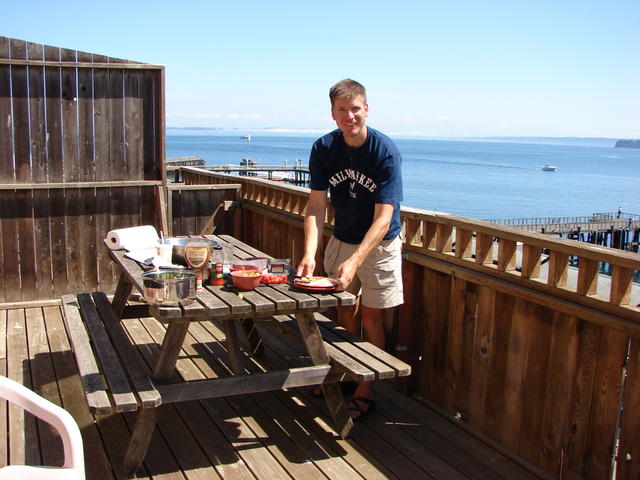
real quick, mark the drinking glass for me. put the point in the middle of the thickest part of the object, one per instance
(227, 254)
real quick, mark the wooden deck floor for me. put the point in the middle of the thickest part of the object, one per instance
(273, 435)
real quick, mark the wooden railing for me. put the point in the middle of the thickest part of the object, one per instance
(505, 252)
(503, 333)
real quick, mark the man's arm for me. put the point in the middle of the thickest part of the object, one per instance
(381, 220)
(313, 230)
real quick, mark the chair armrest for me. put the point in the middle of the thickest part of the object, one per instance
(50, 413)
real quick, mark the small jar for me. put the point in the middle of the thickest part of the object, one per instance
(217, 276)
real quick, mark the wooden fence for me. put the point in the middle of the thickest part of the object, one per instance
(81, 153)
(537, 360)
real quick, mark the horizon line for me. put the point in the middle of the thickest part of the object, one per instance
(407, 134)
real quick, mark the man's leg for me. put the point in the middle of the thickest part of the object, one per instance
(349, 317)
(373, 332)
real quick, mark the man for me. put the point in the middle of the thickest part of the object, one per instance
(361, 168)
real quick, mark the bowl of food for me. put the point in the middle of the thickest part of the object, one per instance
(169, 287)
(244, 268)
(246, 279)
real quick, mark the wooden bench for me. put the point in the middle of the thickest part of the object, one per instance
(351, 355)
(112, 372)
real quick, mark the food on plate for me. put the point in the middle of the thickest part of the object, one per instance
(317, 281)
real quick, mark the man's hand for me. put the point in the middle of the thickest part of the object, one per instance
(346, 272)
(381, 221)
(306, 267)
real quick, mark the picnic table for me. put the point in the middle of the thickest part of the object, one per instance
(115, 379)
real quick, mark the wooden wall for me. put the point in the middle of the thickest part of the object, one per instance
(201, 209)
(539, 358)
(81, 153)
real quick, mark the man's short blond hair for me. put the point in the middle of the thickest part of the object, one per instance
(347, 88)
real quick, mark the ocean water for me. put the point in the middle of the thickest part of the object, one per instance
(477, 179)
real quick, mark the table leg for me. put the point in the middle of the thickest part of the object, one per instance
(233, 345)
(332, 393)
(140, 438)
(169, 351)
(255, 342)
(123, 290)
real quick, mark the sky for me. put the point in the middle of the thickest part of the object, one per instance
(431, 68)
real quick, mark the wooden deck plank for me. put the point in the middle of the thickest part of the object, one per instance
(310, 412)
(72, 393)
(221, 455)
(256, 460)
(373, 441)
(162, 463)
(113, 429)
(281, 445)
(189, 456)
(4, 447)
(467, 444)
(279, 434)
(41, 374)
(23, 434)
(305, 444)
(260, 421)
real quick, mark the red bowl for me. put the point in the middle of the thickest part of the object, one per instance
(244, 268)
(246, 279)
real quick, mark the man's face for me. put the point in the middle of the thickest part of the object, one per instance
(349, 114)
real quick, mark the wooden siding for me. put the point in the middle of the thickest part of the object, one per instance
(502, 332)
(81, 153)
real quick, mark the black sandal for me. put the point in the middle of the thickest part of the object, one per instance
(347, 388)
(353, 407)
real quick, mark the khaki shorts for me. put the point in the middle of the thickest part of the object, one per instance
(378, 279)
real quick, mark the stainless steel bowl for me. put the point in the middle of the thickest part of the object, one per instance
(169, 287)
(180, 242)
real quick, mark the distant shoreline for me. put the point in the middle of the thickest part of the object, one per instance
(276, 132)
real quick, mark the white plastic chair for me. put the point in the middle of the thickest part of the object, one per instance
(73, 468)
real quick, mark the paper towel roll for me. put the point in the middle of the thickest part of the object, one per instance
(133, 238)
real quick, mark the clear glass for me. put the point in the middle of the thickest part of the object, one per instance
(227, 254)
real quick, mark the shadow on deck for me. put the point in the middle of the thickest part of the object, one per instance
(283, 434)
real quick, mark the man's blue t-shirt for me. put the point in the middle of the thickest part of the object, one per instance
(357, 179)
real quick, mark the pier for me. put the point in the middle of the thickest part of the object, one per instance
(296, 174)
(173, 166)
(617, 230)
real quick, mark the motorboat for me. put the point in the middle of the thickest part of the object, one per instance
(549, 168)
(246, 137)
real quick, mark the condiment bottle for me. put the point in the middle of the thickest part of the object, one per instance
(217, 276)
(197, 257)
